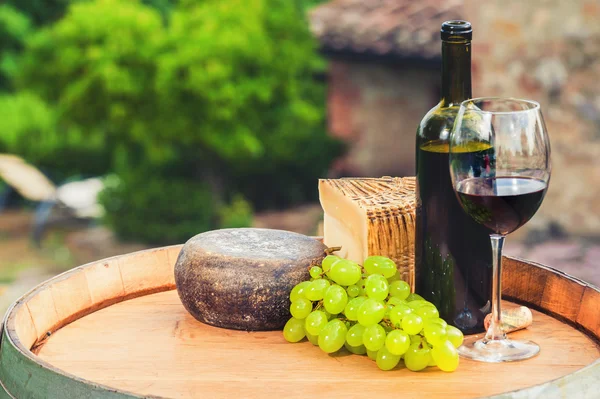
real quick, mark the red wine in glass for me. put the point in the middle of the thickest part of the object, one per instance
(501, 189)
(502, 204)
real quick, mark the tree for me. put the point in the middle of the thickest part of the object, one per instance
(221, 96)
(14, 27)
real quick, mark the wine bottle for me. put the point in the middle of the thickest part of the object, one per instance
(453, 258)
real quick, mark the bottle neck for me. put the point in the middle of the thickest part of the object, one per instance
(456, 72)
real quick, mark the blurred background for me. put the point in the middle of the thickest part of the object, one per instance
(127, 124)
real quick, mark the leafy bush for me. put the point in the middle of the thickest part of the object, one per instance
(236, 214)
(14, 26)
(220, 96)
(155, 209)
(29, 128)
(41, 12)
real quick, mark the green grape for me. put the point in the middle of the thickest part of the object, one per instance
(428, 323)
(397, 342)
(301, 308)
(417, 303)
(374, 337)
(328, 261)
(332, 336)
(445, 356)
(314, 339)
(396, 301)
(455, 336)
(395, 277)
(370, 312)
(315, 321)
(329, 315)
(413, 297)
(427, 312)
(293, 331)
(388, 309)
(376, 287)
(372, 354)
(351, 310)
(355, 335)
(416, 339)
(439, 321)
(432, 361)
(387, 360)
(417, 357)
(316, 272)
(412, 324)
(380, 265)
(399, 289)
(398, 313)
(435, 334)
(353, 291)
(335, 299)
(299, 290)
(316, 290)
(357, 350)
(345, 272)
(361, 286)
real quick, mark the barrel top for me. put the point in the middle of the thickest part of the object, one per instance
(116, 329)
(154, 347)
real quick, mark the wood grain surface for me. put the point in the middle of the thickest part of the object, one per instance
(152, 346)
(115, 329)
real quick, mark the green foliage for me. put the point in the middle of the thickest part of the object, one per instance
(308, 4)
(213, 98)
(14, 26)
(155, 209)
(236, 214)
(164, 7)
(100, 61)
(41, 12)
(29, 128)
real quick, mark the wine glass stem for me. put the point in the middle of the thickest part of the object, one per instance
(494, 331)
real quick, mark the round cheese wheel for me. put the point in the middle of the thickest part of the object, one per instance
(241, 278)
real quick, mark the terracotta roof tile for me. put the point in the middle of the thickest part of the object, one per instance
(402, 28)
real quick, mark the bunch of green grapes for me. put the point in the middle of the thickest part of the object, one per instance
(370, 310)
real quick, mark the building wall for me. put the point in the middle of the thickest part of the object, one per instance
(549, 51)
(376, 108)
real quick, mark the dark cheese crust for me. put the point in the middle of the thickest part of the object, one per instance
(241, 278)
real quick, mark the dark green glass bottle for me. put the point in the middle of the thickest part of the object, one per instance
(453, 252)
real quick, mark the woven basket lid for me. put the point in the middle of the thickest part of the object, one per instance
(390, 205)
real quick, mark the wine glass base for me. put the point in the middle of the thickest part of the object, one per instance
(497, 351)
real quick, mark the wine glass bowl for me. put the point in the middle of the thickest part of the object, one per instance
(500, 169)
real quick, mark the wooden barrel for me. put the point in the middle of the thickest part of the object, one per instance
(116, 329)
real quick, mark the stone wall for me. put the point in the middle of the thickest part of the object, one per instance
(549, 51)
(376, 108)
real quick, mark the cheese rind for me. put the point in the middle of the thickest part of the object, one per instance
(241, 278)
(371, 217)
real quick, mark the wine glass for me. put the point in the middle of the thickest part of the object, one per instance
(500, 168)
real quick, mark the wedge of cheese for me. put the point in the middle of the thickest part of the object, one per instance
(372, 216)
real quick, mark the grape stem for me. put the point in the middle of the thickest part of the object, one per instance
(331, 250)
(387, 323)
(313, 264)
(316, 262)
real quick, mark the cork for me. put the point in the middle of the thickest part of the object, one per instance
(513, 319)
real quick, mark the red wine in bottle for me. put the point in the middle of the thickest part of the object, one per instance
(453, 252)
